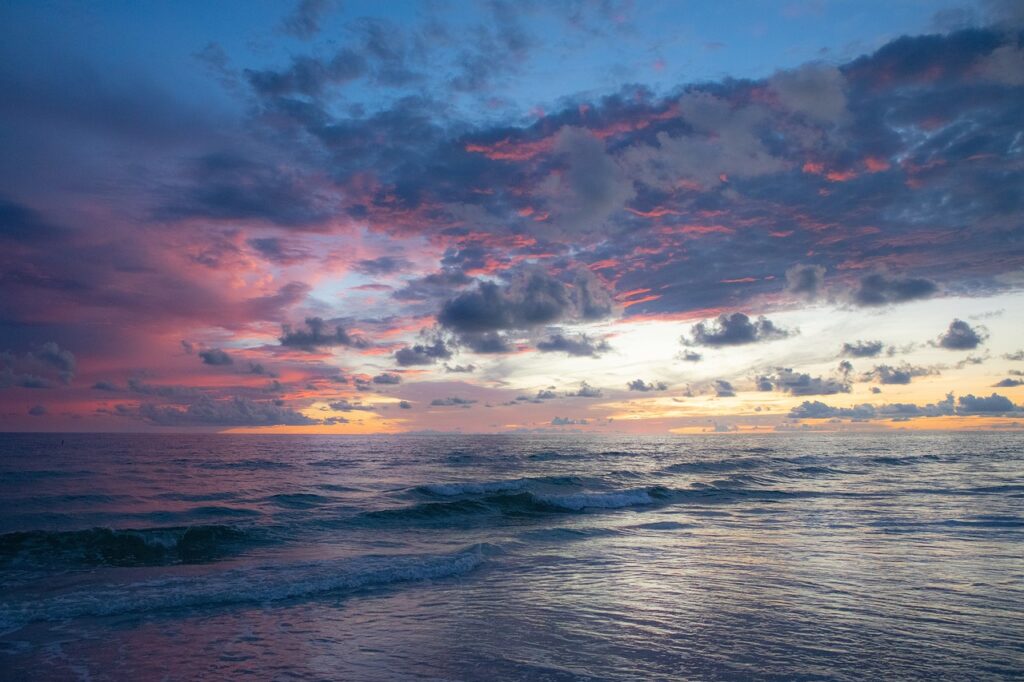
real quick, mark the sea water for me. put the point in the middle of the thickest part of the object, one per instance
(796, 557)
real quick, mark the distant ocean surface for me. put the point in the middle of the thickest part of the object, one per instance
(804, 557)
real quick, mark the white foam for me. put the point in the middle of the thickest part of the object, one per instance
(607, 500)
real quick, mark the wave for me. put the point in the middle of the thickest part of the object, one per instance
(486, 487)
(522, 503)
(254, 585)
(905, 461)
(128, 547)
(298, 500)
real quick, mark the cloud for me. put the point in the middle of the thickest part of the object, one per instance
(592, 186)
(691, 356)
(1009, 383)
(961, 336)
(215, 356)
(806, 281)
(460, 369)
(304, 20)
(799, 383)
(46, 366)
(819, 410)
(383, 265)
(277, 250)
(585, 391)
(238, 411)
(404, 405)
(815, 90)
(533, 300)
(862, 349)
(643, 386)
(903, 374)
(567, 421)
(734, 330)
(878, 289)
(316, 336)
(1016, 355)
(423, 353)
(582, 346)
(20, 223)
(724, 389)
(387, 379)
(344, 405)
(993, 404)
(37, 411)
(452, 402)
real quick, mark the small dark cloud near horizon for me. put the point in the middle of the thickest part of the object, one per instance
(453, 401)
(734, 330)
(900, 375)
(862, 349)
(724, 389)
(961, 336)
(646, 386)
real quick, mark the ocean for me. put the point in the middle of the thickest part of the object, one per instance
(451, 557)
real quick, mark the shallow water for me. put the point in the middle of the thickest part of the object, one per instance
(485, 557)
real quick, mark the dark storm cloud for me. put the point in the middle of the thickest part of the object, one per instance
(317, 335)
(581, 346)
(215, 356)
(206, 411)
(734, 330)
(644, 386)
(862, 349)
(879, 289)
(961, 336)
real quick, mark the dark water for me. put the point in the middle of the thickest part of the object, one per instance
(801, 557)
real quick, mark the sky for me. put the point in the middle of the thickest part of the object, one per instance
(332, 216)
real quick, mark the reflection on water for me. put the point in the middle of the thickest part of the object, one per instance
(725, 557)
